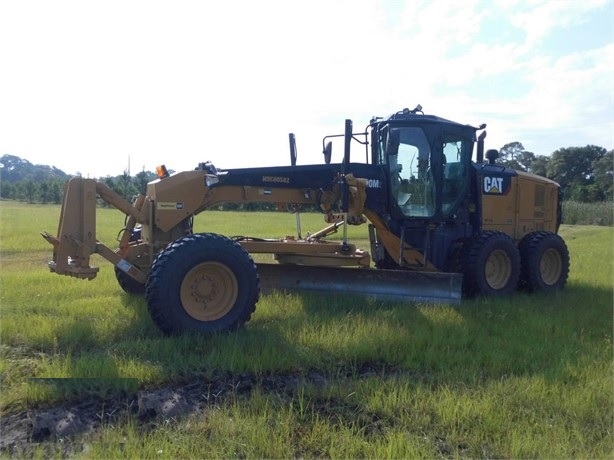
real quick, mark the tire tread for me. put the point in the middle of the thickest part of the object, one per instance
(166, 316)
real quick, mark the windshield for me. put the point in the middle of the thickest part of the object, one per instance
(424, 179)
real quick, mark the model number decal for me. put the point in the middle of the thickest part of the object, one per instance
(169, 206)
(276, 179)
(374, 183)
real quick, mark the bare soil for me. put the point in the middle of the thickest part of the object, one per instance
(66, 424)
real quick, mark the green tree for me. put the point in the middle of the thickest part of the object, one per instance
(44, 192)
(141, 180)
(513, 155)
(603, 170)
(30, 189)
(572, 168)
(539, 166)
(126, 185)
(57, 191)
(7, 190)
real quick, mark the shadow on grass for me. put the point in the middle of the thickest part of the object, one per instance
(481, 340)
(487, 338)
(478, 340)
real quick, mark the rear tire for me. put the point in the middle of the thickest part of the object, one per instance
(544, 262)
(491, 265)
(202, 283)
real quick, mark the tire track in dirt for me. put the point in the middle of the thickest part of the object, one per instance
(66, 423)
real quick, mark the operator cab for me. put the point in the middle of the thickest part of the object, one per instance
(427, 160)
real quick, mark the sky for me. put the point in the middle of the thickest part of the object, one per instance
(99, 88)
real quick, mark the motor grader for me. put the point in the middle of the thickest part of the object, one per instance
(441, 225)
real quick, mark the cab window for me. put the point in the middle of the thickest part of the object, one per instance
(411, 175)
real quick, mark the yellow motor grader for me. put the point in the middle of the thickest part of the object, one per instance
(441, 225)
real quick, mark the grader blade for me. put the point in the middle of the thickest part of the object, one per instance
(395, 285)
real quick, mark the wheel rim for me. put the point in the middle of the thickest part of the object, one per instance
(498, 269)
(209, 291)
(550, 266)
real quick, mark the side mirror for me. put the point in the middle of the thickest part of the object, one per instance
(328, 151)
(392, 145)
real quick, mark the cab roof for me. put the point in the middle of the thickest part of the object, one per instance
(405, 116)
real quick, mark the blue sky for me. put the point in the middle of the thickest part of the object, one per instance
(90, 86)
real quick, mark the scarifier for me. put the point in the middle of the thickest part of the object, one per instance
(440, 226)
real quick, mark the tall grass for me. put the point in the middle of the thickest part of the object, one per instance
(527, 376)
(600, 213)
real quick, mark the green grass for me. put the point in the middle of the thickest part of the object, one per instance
(529, 376)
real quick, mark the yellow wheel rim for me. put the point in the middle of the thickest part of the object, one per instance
(498, 269)
(209, 291)
(550, 266)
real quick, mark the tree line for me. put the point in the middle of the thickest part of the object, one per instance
(586, 174)
(22, 181)
(51, 190)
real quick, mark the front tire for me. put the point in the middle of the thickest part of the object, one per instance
(202, 283)
(544, 262)
(128, 283)
(491, 265)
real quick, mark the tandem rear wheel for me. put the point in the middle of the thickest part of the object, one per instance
(544, 262)
(491, 265)
(202, 283)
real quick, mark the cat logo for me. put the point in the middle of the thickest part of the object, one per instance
(493, 185)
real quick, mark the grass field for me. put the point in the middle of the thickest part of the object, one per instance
(526, 377)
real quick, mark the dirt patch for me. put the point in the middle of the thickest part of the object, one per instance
(66, 423)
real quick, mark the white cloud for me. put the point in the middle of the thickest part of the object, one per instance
(540, 18)
(442, 23)
(86, 85)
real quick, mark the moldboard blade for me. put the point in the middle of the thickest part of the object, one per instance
(396, 285)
